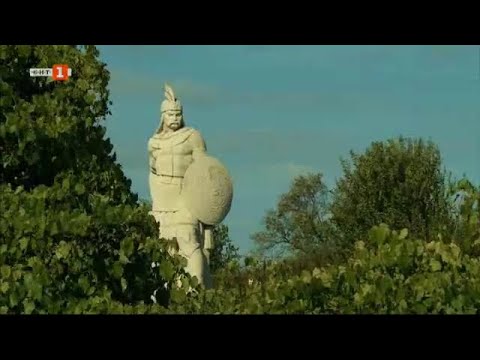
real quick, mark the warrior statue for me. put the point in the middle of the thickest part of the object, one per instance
(190, 190)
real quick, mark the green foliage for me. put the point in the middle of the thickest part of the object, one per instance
(73, 238)
(50, 129)
(299, 224)
(466, 230)
(224, 250)
(399, 182)
(390, 273)
(54, 256)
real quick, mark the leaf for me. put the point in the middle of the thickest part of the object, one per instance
(419, 308)
(84, 283)
(28, 306)
(306, 276)
(37, 291)
(166, 270)
(464, 184)
(63, 250)
(80, 189)
(124, 284)
(458, 303)
(54, 228)
(366, 289)
(185, 283)
(360, 245)
(4, 287)
(117, 270)
(178, 295)
(357, 298)
(13, 299)
(123, 259)
(379, 233)
(249, 261)
(90, 98)
(28, 278)
(23, 243)
(403, 234)
(473, 220)
(17, 274)
(5, 270)
(82, 84)
(66, 184)
(194, 282)
(402, 305)
(127, 246)
(435, 265)
(326, 278)
(24, 50)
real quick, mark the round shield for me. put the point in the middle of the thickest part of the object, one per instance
(207, 190)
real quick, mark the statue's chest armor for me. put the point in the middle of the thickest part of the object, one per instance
(173, 155)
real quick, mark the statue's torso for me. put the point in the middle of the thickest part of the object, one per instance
(172, 154)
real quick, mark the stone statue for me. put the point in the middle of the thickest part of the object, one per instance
(190, 190)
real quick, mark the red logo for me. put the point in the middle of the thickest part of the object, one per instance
(60, 72)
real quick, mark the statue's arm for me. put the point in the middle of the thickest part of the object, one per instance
(151, 157)
(198, 144)
(208, 242)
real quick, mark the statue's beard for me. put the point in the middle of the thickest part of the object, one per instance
(175, 126)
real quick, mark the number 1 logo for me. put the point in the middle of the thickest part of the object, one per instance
(60, 72)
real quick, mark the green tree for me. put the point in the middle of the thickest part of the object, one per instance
(49, 129)
(466, 229)
(224, 250)
(399, 182)
(300, 223)
(73, 237)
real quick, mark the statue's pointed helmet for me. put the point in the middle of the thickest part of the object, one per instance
(171, 102)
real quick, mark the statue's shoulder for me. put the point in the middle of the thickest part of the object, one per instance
(191, 131)
(152, 140)
(196, 140)
(187, 134)
(175, 138)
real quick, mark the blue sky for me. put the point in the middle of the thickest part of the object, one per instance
(270, 113)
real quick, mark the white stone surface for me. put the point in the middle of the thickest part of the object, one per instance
(207, 190)
(173, 149)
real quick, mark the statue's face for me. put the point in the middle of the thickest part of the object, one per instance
(173, 119)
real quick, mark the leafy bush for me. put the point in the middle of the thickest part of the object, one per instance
(56, 257)
(73, 237)
(388, 274)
